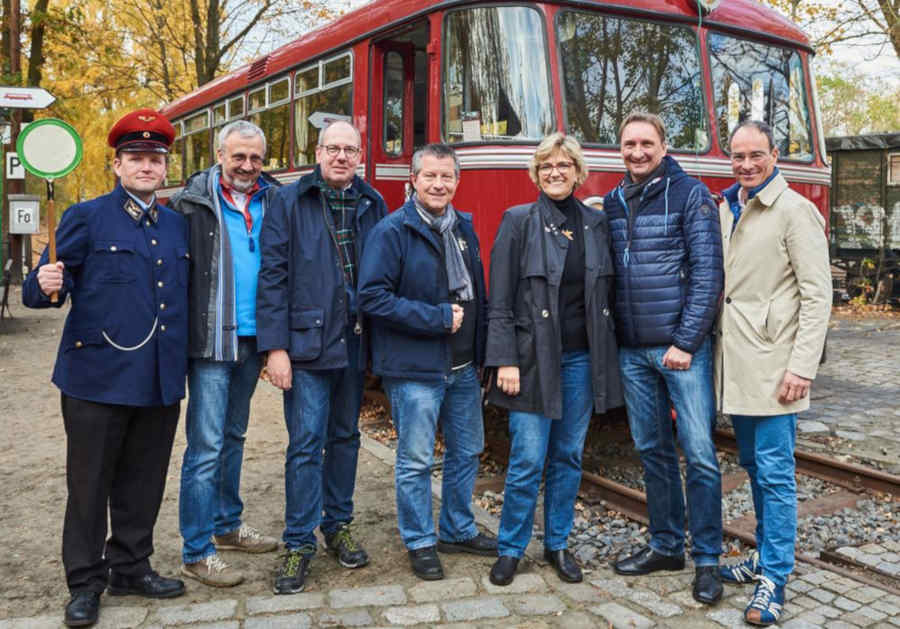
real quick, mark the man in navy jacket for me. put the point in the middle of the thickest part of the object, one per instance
(422, 282)
(307, 319)
(123, 260)
(668, 258)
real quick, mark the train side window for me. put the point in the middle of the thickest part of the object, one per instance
(197, 143)
(611, 66)
(322, 93)
(496, 81)
(236, 107)
(393, 103)
(756, 81)
(893, 169)
(174, 172)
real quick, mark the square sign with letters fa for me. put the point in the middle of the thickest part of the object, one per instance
(24, 214)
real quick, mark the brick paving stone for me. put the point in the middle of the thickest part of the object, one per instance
(198, 612)
(364, 597)
(872, 549)
(685, 599)
(412, 615)
(536, 605)
(615, 587)
(799, 623)
(290, 621)
(891, 545)
(430, 591)
(528, 582)
(218, 624)
(813, 618)
(474, 608)
(828, 611)
(727, 617)
(652, 602)
(890, 557)
(621, 617)
(576, 620)
(818, 577)
(803, 601)
(848, 551)
(870, 612)
(822, 595)
(886, 607)
(121, 617)
(810, 426)
(355, 618)
(868, 560)
(36, 622)
(892, 569)
(275, 604)
(800, 585)
(865, 594)
(839, 624)
(579, 592)
(840, 585)
(846, 604)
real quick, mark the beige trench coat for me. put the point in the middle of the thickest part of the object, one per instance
(777, 300)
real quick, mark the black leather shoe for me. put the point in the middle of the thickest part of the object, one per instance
(565, 565)
(149, 585)
(481, 544)
(504, 570)
(707, 584)
(426, 564)
(83, 609)
(646, 561)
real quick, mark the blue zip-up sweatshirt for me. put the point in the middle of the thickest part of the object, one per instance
(668, 261)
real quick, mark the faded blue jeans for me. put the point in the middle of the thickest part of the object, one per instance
(650, 391)
(559, 442)
(217, 414)
(417, 407)
(766, 451)
(321, 410)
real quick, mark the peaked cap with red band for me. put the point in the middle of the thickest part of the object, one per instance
(142, 130)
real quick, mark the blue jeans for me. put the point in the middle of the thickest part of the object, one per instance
(217, 414)
(766, 451)
(321, 410)
(417, 407)
(560, 442)
(649, 389)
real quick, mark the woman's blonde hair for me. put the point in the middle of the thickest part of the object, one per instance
(565, 143)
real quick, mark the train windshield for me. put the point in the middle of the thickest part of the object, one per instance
(612, 66)
(760, 82)
(496, 82)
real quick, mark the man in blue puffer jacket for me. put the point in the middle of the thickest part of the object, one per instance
(668, 258)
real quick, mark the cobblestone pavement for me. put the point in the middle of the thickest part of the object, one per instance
(535, 599)
(855, 406)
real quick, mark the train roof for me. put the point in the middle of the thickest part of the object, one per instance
(743, 17)
(867, 142)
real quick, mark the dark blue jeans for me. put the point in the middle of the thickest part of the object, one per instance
(321, 410)
(417, 407)
(217, 414)
(559, 442)
(649, 390)
(766, 451)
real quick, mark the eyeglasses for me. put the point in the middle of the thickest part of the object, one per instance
(334, 150)
(755, 157)
(561, 167)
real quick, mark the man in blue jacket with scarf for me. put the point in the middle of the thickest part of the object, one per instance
(308, 321)
(422, 282)
(668, 258)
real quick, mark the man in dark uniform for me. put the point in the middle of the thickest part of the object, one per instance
(123, 259)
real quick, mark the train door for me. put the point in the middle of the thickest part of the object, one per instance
(398, 112)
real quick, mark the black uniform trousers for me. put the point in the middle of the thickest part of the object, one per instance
(116, 456)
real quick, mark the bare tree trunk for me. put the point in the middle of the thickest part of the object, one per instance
(36, 54)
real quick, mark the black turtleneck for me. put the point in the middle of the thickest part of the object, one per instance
(573, 326)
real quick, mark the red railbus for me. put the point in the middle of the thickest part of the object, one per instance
(493, 78)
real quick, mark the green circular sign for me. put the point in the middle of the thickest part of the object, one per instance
(49, 148)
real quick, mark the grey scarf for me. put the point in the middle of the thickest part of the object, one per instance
(457, 272)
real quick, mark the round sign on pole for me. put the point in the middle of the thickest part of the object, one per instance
(49, 148)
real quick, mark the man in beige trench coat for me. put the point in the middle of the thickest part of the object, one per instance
(771, 331)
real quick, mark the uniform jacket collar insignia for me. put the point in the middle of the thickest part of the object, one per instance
(134, 210)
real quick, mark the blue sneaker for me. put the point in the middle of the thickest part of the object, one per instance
(744, 572)
(767, 603)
